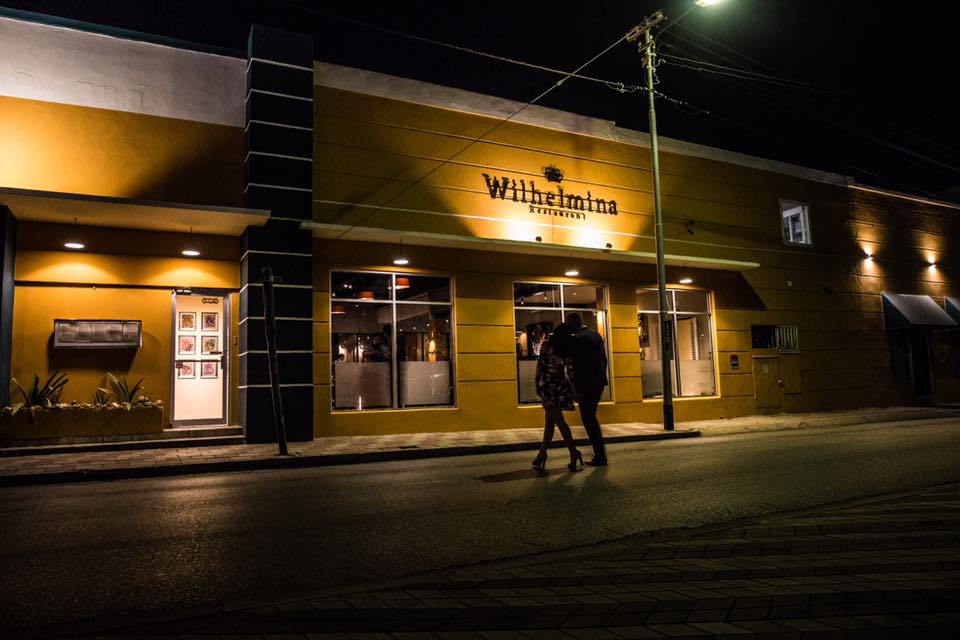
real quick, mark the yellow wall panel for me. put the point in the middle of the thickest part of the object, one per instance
(484, 311)
(625, 364)
(59, 147)
(473, 367)
(628, 389)
(91, 268)
(321, 337)
(736, 384)
(485, 339)
(32, 351)
(624, 341)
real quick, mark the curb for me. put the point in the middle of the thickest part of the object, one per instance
(299, 462)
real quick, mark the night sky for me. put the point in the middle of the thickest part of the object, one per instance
(855, 87)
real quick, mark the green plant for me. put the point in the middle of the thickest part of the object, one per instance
(124, 393)
(45, 395)
(101, 397)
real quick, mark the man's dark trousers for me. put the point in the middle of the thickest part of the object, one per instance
(589, 400)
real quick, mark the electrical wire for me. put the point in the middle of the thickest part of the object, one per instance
(621, 87)
(890, 127)
(500, 123)
(845, 125)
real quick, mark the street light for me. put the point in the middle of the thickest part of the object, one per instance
(647, 48)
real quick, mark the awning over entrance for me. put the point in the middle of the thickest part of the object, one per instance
(426, 239)
(953, 308)
(906, 311)
(124, 213)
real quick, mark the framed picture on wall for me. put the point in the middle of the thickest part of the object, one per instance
(186, 369)
(209, 369)
(188, 321)
(210, 321)
(209, 344)
(187, 345)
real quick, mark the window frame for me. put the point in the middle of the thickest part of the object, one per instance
(394, 361)
(673, 313)
(563, 310)
(787, 204)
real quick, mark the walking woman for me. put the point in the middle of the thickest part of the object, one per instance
(556, 393)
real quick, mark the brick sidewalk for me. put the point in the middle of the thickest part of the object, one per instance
(66, 466)
(883, 569)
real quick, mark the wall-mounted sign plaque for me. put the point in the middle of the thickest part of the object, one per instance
(97, 334)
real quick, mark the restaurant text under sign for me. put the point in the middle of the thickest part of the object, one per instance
(547, 202)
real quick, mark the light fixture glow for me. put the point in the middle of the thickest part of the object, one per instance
(707, 3)
(686, 280)
(191, 251)
(74, 241)
(403, 282)
(400, 261)
(571, 273)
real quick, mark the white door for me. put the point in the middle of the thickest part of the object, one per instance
(200, 362)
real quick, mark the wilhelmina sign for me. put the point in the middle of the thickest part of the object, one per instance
(567, 205)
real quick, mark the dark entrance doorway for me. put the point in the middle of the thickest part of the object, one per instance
(920, 363)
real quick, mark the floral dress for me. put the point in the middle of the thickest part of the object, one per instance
(553, 384)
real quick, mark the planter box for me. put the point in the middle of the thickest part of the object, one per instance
(70, 422)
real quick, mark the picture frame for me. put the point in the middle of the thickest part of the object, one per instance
(209, 345)
(186, 345)
(187, 321)
(186, 369)
(209, 369)
(210, 321)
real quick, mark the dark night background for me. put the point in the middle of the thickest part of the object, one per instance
(855, 87)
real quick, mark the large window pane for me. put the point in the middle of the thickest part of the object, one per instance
(362, 352)
(536, 294)
(423, 288)
(694, 349)
(533, 327)
(424, 373)
(361, 286)
(692, 301)
(693, 368)
(582, 296)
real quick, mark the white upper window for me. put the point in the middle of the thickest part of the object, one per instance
(796, 222)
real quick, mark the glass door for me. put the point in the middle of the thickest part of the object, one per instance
(200, 348)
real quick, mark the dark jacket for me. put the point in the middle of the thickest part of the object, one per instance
(589, 361)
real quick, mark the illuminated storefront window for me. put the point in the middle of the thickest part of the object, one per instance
(538, 308)
(694, 371)
(391, 340)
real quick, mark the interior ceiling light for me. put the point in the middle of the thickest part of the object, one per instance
(686, 280)
(74, 241)
(571, 273)
(401, 261)
(191, 250)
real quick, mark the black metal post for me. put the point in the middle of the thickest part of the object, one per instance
(270, 329)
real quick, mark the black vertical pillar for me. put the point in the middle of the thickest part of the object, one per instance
(8, 251)
(279, 177)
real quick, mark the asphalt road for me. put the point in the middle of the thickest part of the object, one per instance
(89, 550)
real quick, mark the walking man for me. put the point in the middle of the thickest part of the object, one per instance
(589, 379)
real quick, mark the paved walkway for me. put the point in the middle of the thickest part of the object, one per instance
(67, 466)
(886, 568)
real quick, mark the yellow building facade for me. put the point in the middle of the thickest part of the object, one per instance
(426, 240)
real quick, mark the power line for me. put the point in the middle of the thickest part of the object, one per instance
(622, 87)
(844, 125)
(500, 123)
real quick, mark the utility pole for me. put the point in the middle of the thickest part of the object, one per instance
(273, 368)
(648, 49)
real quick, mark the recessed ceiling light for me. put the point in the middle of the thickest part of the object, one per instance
(73, 245)
(400, 261)
(571, 273)
(686, 280)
